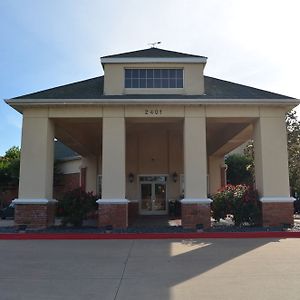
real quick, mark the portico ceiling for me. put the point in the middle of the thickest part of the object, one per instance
(84, 135)
(226, 134)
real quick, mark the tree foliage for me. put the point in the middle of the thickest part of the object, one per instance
(239, 169)
(293, 142)
(10, 167)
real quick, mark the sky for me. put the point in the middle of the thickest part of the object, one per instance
(47, 43)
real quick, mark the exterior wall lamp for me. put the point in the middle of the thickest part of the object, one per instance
(131, 177)
(175, 176)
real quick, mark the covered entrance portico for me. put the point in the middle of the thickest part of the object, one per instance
(138, 153)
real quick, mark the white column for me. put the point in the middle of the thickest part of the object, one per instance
(271, 157)
(36, 169)
(271, 168)
(113, 158)
(195, 159)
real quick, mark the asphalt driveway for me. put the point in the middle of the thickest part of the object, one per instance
(150, 269)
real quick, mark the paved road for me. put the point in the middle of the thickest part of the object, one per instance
(150, 269)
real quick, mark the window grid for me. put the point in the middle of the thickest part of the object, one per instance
(153, 78)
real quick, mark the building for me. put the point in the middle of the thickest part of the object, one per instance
(153, 128)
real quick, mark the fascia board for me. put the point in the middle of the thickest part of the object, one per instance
(126, 60)
(185, 101)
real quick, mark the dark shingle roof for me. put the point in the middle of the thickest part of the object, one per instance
(62, 152)
(221, 89)
(86, 89)
(151, 52)
(214, 89)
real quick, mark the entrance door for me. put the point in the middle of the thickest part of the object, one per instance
(153, 195)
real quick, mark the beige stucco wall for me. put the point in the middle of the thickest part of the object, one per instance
(214, 173)
(193, 79)
(154, 151)
(90, 163)
(70, 166)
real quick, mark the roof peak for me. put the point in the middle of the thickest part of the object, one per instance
(152, 52)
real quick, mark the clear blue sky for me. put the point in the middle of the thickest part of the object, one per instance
(46, 43)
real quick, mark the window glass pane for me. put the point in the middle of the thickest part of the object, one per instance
(165, 83)
(142, 83)
(142, 73)
(180, 83)
(157, 73)
(135, 83)
(172, 73)
(149, 83)
(135, 73)
(127, 73)
(153, 78)
(149, 73)
(127, 83)
(179, 73)
(157, 83)
(172, 83)
(165, 73)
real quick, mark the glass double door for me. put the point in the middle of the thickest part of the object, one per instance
(153, 195)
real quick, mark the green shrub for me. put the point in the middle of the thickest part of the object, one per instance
(75, 206)
(241, 201)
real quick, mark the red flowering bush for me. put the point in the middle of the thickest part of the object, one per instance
(241, 201)
(75, 206)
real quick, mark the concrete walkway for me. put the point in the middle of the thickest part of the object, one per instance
(150, 269)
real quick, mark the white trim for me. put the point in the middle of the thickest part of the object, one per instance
(112, 201)
(133, 201)
(119, 60)
(113, 99)
(196, 201)
(277, 199)
(34, 201)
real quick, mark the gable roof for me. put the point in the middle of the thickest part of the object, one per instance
(151, 52)
(93, 89)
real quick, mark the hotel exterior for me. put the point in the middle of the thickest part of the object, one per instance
(151, 130)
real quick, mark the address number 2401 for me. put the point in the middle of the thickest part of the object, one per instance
(153, 112)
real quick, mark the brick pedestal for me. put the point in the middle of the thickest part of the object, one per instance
(277, 213)
(113, 212)
(194, 211)
(133, 211)
(35, 215)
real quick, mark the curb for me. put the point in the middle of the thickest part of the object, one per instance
(147, 236)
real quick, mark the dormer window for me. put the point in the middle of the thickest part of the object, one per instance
(153, 78)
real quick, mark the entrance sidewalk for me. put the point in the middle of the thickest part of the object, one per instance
(150, 269)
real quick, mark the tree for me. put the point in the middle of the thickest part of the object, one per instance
(10, 167)
(293, 144)
(240, 169)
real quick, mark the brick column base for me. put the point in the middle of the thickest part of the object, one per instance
(35, 215)
(133, 211)
(194, 212)
(277, 213)
(113, 212)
